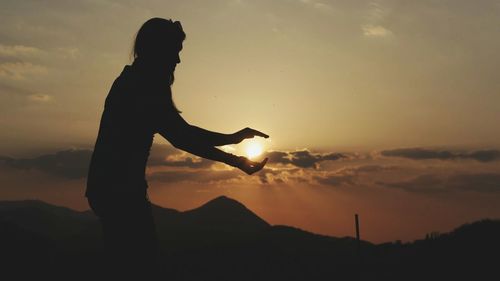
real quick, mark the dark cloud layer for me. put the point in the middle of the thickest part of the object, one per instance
(160, 153)
(483, 182)
(74, 163)
(188, 162)
(350, 175)
(71, 164)
(302, 158)
(427, 154)
(336, 179)
(430, 183)
(427, 183)
(268, 175)
(202, 176)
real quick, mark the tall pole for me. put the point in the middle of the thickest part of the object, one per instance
(358, 240)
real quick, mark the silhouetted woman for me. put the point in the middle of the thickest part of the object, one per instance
(139, 105)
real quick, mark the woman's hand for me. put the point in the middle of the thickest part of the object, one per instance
(249, 166)
(246, 133)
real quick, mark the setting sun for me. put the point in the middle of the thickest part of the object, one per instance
(253, 149)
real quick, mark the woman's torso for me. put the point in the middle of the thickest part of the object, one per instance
(126, 132)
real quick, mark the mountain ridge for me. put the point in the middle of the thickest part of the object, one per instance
(223, 240)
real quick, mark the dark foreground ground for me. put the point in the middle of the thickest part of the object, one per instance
(223, 240)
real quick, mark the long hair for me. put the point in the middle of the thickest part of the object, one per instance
(157, 40)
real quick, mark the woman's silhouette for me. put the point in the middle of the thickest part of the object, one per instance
(139, 105)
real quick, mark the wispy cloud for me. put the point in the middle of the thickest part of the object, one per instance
(374, 31)
(71, 164)
(350, 175)
(374, 26)
(428, 154)
(302, 158)
(279, 175)
(21, 70)
(40, 98)
(172, 176)
(19, 51)
(428, 183)
(318, 5)
(336, 179)
(434, 184)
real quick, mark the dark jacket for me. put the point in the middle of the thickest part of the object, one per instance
(136, 105)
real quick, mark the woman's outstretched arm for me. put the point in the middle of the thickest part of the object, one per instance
(218, 139)
(210, 137)
(193, 146)
(201, 142)
(175, 121)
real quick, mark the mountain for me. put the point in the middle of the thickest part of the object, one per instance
(224, 240)
(221, 214)
(51, 221)
(225, 214)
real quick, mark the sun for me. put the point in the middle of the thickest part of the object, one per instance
(253, 149)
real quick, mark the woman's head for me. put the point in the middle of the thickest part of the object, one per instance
(157, 46)
(158, 42)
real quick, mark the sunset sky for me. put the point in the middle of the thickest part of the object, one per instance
(389, 109)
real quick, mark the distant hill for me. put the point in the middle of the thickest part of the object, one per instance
(49, 220)
(224, 240)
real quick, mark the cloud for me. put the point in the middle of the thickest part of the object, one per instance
(70, 164)
(350, 175)
(21, 70)
(159, 154)
(427, 154)
(278, 175)
(317, 5)
(200, 176)
(170, 164)
(74, 163)
(432, 184)
(302, 158)
(376, 21)
(372, 168)
(376, 31)
(345, 176)
(323, 7)
(482, 182)
(40, 98)
(201, 171)
(167, 155)
(427, 183)
(69, 53)
(484, 155)
(336, 179)
(189, 162)
(19, 51)
(5, 88)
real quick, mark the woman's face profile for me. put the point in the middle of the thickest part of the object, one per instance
(177, 58)
(172, 56)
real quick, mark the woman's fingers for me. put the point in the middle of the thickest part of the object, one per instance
(261, 134)
(261, 164)
(257, 166)
(250, 133)
(251, 167)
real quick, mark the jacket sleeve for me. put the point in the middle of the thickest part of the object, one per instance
(183, 136)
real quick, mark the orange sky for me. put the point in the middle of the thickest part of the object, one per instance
(361, 78)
